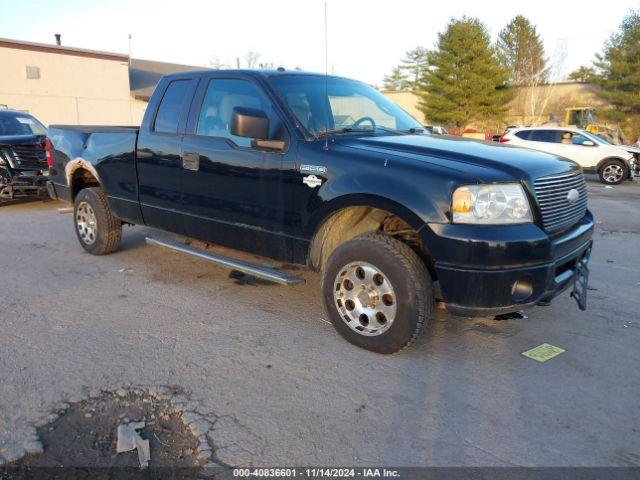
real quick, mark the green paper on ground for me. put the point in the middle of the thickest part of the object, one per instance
(543, 352)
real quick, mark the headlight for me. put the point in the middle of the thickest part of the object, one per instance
(500, 204)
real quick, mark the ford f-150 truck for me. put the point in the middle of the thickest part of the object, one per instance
(326, 172)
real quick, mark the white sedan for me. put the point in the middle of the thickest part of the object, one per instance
(613, 163)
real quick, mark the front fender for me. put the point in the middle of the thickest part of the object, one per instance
(413, 204)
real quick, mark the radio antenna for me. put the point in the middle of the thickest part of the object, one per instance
(326, 81)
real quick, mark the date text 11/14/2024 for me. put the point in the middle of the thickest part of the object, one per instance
(316, 472)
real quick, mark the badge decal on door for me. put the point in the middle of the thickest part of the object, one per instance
(312, 181)
(319, 169)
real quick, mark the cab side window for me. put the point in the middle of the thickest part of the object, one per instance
(548, 136)
(221, 97)
(171, 107)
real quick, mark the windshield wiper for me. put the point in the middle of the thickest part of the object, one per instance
(412, 130)
(338, 131)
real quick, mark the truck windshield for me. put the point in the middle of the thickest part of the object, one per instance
(341, 106)
(20, 125)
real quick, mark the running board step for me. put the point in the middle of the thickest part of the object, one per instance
(266, 273)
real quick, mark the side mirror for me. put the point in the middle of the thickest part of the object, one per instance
(250, 123)
(589, 143)
(254, 124)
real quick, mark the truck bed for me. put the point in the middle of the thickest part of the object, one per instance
(96, 128)
(107, 153)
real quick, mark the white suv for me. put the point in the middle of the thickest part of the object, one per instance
(613, 163)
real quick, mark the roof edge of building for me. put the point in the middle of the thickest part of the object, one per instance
(62, 50)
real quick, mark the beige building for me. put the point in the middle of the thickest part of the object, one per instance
(59, 84)
(408, 101)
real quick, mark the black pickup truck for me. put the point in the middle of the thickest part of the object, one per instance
(328, 173)
(24, 155)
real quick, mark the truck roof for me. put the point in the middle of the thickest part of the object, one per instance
(253, 73)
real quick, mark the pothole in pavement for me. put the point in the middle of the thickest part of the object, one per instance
(85, 435)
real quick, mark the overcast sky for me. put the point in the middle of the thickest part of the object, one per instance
(366, 38)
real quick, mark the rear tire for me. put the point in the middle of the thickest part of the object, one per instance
(377, 292)
(97, 229)
(613, 172)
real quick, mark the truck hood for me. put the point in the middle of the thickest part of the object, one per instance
(8, 140)
(484, 161)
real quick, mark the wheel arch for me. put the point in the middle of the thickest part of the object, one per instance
(607, 159)
(81, 174)
(346, 217)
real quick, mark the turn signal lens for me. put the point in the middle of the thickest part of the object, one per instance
(462, 200)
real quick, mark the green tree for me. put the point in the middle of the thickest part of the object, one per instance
(414, 65)
(521, 51)
(465, 81)
(618, 70)
(396, 80)
(582, 75)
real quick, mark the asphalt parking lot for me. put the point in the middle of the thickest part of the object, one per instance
(285, 389)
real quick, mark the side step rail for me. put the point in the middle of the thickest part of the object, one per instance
(266, 273)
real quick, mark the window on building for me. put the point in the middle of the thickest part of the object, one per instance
(171, 107)
(33, 72)
(221, 97)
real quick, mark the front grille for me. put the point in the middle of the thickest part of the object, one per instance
(26, 156)
(551, 193)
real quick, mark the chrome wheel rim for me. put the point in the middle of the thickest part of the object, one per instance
(612, 173)
(86, 223)
(365, 298)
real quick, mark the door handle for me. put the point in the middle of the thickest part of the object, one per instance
(190, 161)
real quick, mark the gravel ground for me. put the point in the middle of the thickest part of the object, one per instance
(279, 387)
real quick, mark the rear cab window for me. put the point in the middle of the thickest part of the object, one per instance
(172, 106)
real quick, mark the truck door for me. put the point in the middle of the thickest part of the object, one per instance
(235, 193)
(160, 168)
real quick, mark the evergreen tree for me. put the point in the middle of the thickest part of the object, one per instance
(465, 81)
(582, 75)
(414, 65)
(521, 50)
(618, 69)
(396, 80)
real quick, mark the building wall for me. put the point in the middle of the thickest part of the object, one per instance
(535, 105)
(409, 102)
(71, 89)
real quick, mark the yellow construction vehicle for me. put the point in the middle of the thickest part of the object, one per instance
(585, 118)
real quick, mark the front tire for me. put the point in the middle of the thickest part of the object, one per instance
(613, 172)
(377, 292)
(97, 229)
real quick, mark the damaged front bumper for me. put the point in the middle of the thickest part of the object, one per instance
(19, 183)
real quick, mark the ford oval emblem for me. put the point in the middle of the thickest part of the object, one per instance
(573, 195)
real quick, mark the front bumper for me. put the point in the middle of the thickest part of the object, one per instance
(17, 184)
(493, 276)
